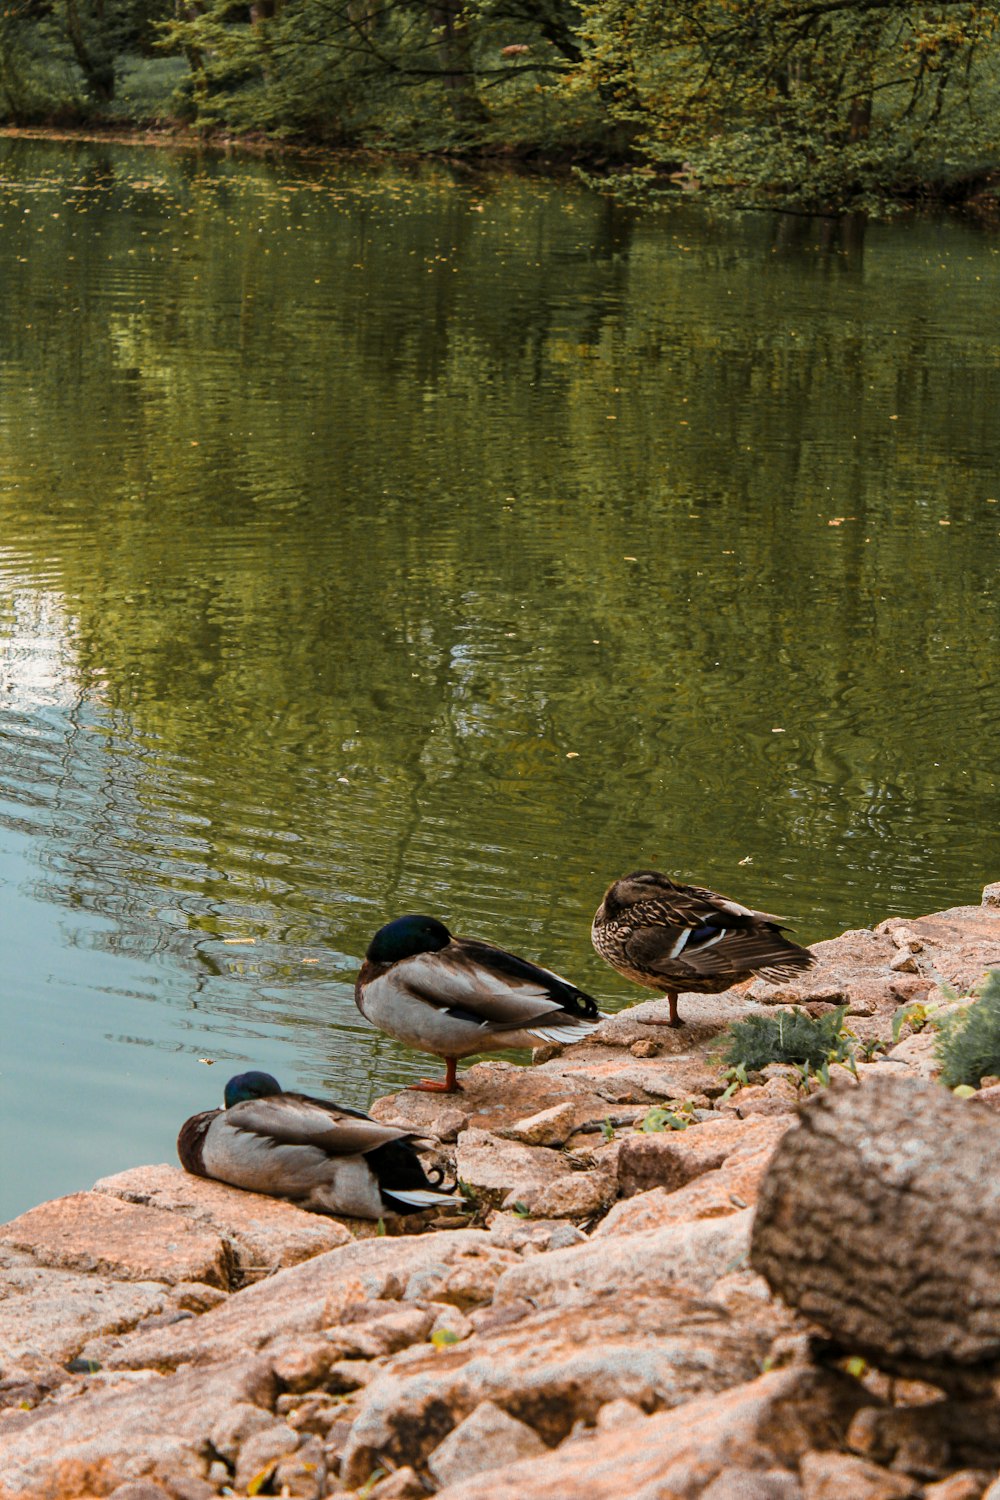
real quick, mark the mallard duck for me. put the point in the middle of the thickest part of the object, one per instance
(323, 1156)
(454, 996)
(673, 937)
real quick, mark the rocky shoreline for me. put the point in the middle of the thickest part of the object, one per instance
(596, 1332)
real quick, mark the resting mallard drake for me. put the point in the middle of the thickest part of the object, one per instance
(674, 938)
(454, 996)
(323, 1156)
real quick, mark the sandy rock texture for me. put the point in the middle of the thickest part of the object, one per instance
(592, 1329)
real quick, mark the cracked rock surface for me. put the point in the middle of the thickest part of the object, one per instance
(592, 1330)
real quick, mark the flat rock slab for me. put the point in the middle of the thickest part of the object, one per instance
(862, 968)
(679, 1255)
(752, 1431)
(704, 1016)
(48, 1315)
(493, 1096)
(671, 1158)
(728, 1190)
(537, 1179)
(159, 1428)
(459, 1267)
(126, 1241)
(619, 1078)
(499, 1169)
(265, 1234)
(488, 1439)
(959, 944)
(552, 1371)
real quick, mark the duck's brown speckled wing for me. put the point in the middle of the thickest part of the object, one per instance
(715, 945)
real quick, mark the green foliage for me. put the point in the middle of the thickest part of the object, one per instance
(968, 1047)
(66, 59)
(790, 1036)
(916, 1015)
(438, 76)
(811, 106)
(659, 1119)
(789, 102)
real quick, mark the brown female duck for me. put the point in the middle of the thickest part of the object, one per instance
(672, 938)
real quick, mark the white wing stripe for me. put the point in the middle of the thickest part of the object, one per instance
(680, 943)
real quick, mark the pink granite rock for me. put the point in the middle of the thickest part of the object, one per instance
(263, 1234)
(487, 1439)
(157, 1430)
(754, 1429)
(690, 1256)
(829, 1475)
(671, 1158)
(558, 1367)
(450, 1266)
(131, 1242)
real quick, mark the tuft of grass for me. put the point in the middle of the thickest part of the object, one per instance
(968, 1046)
(791, 1036)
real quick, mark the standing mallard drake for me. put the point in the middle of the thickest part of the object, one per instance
(454, 996)
(674, 938)
(323, 1156)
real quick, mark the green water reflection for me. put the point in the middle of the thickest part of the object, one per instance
(377, 540)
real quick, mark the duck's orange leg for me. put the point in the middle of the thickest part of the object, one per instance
(449, 1084)
(675, 1020)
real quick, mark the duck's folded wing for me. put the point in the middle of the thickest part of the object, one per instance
(479, 983)
(762, 951)
(711, 947)
(287, 1120)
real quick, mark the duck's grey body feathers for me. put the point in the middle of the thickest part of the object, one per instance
(312, 1152)
(454, 996)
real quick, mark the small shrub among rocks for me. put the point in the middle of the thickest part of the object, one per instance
(968, 1047)
(790, 1036)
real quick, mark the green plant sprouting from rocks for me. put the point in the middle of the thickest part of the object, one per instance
(791, 1036)
(968, 1047)
(672, 1116)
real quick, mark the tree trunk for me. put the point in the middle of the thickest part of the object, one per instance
(93, 55)
(859, 118)
(452, 23)
(879, 1219)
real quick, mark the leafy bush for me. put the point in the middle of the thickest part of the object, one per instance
(790, 1036)
(968, 1047)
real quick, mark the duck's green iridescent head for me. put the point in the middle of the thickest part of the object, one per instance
(250, 1086)
(405, 937)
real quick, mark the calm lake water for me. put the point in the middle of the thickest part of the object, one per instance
(376, 540)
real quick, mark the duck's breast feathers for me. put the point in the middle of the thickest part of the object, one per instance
(297, 1120)
(488, 986)
(191, 1141)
